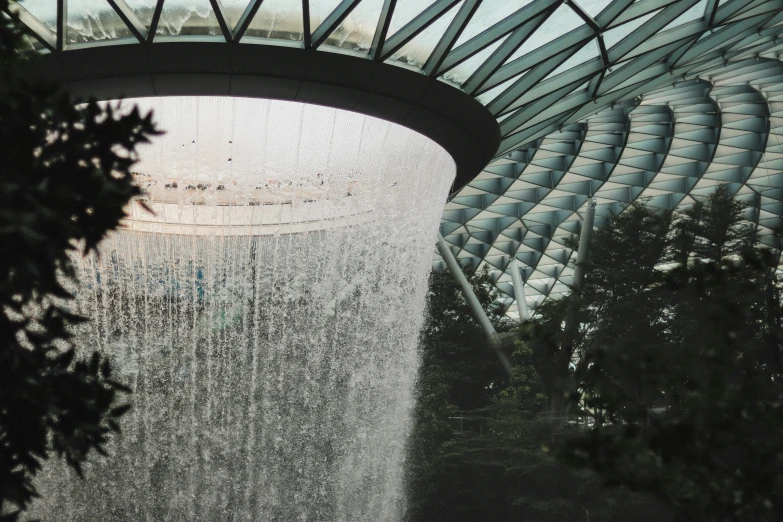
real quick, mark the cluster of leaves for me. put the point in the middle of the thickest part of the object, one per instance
(478, 448)
(680, 349)
(64, 183)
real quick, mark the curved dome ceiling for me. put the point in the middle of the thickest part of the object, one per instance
(670, 147)
(619, 99)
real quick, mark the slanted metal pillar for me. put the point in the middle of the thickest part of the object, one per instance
(584, 245)
(467, 290)
(519, 292)
(571, 324)
(475, 306)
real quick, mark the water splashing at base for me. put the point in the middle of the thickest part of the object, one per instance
(272, 353)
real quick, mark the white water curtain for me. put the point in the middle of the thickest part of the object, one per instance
(273, 358)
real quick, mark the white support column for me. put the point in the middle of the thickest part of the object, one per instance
(519, 292)
(475, 306)
(584, 245)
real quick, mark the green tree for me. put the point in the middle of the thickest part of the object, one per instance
(479, 447)
(614, 306)
(682, 369)
(64, 182)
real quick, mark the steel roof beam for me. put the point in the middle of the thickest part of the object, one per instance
(710, 10)
(585, 72)
(332, 22)
(130, 19)
(62, 23)
(725, 36)
(306, 24)
(611, 12)
(382, 28)
(499, 30)
(36, 28)
(649, 28)
(433, 65)
(534, 78)
(416, 26)
(639, 9)
(511, 69)
(245, 20)
(735, 7)
(220, 14)
(502, 53)
(639, 66)
(532, 132)
(155, 21)
(584, 16)
(688, 33)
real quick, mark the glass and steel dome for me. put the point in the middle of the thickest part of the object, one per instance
(617, 99)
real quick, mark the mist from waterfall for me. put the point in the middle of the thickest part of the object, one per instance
(273, 372)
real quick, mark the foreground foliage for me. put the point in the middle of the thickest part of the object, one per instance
(64, 182)
(679, 344)
(480, 445)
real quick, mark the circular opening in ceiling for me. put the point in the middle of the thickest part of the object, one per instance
(249, 166)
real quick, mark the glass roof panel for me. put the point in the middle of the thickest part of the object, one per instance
(91, 20)
(420, 48)
(143, 9)
(405, 11)
(562, 21)
(278, 19)
(487, 97)
(694, 13)
(188, 17)
(356, 32)
(488, 14)
(593, 7)
(588, 52)
(233, 9)
(463, 71)
(616, 34)
(44, 10)
(319, 10)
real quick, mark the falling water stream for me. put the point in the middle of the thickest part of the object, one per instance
(266, 318)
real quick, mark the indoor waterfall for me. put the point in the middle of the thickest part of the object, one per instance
(266, 317)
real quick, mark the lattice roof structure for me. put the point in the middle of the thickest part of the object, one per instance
(669, 147)
(617, 99)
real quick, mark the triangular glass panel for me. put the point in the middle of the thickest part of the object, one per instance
(356, 32)
(417, 51)
(616, 34)
(44, 10)
(319, 10)
(279, 20)
(488, 14)
(694, 13)
(463, 71)
(562, 21)
(188, 17)
(233, 11)
(93, 20)
(405, 11)
(588, 52)
(593, 7)
(143, 9)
